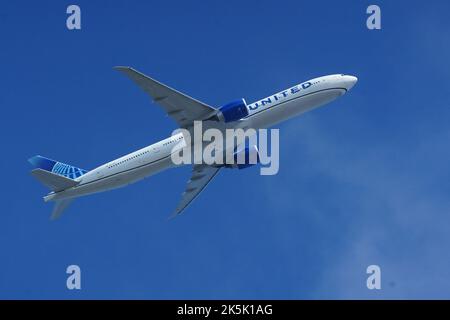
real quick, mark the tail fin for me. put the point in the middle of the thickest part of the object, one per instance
(53, 166)
(57, 176)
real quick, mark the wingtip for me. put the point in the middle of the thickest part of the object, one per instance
(120, 68)
(175, 214)
(172, 216)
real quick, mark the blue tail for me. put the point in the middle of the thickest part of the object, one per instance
(53, 166)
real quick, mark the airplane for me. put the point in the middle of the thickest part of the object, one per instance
(68, 182)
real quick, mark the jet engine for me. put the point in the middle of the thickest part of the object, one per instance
(233, 111)
(245, 158)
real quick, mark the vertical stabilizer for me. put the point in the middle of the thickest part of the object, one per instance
(57, 167)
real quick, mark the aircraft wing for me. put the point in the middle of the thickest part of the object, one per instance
(202, 174)
(182, 108)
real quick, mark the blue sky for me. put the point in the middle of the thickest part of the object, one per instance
(362, 181)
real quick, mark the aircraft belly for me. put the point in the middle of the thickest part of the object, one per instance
(120, 179)
(282, 112)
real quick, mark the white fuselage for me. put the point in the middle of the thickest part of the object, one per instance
(157, 157)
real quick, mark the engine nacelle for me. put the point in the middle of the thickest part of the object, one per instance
(245, 158)
(234, 111)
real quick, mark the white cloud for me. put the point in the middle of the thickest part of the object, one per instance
(397, 210)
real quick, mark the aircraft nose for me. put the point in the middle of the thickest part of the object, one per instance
(349, 81)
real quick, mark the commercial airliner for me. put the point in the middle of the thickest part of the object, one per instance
(68, 182)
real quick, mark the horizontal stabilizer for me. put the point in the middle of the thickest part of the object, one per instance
(60, 206)
(54, 181)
